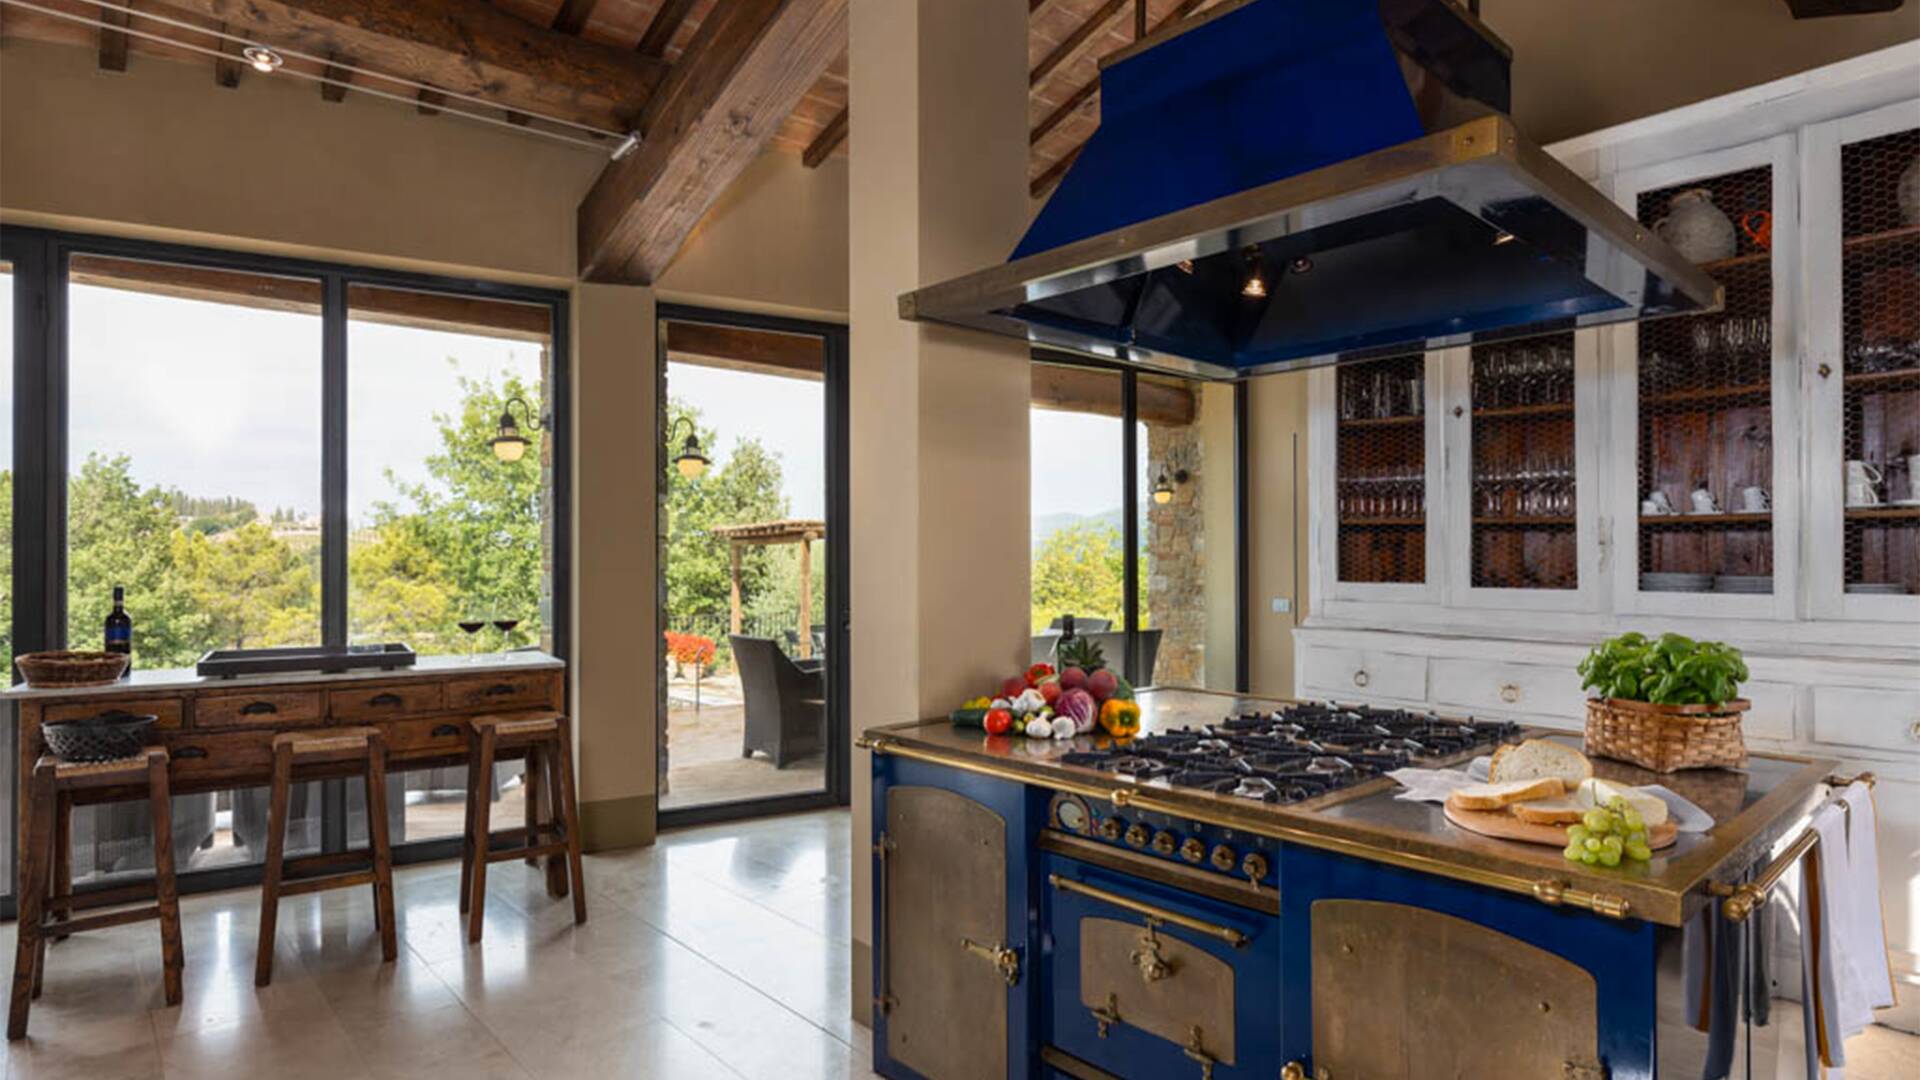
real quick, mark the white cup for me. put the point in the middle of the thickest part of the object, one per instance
(1703, 502)
(1913, 476)
(1862, 472)
(1862, 494)
(1650, 508)
(1658, 503)
(1753, 500)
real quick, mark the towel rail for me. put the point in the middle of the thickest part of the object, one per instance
(1739, 901)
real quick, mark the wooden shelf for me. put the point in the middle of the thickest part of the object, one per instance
(1525, 522)
(1506, 411)
(1379, 422)
(1864, 240)
(1382, 523)
(1884, 513)
(1875, 380)
(1708, 394)
(1711, 521)
(1735, 262)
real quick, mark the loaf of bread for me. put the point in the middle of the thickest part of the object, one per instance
(1494, 795)
(1540, 757)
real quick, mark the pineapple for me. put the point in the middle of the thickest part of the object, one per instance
(1081, 652)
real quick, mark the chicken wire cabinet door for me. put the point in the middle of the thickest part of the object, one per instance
(1378, 517)
(1706, 427)
(1862, 184)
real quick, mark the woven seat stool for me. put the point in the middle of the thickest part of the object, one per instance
(548, 746)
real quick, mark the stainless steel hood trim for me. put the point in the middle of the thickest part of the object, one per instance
(1277, 209)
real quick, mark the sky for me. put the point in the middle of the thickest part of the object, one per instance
(788, 416)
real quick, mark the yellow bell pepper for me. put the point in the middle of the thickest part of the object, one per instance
(1120, 719)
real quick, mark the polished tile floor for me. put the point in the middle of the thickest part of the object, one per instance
(720, 952)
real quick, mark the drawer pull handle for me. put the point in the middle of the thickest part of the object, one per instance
(444, 730)
(1196, 1052)
(500, 688)
(1005, 960)
(185, 752)
(1152, 911)
(1914, 731)
(386, 700)
(259, 708)
(1105, 1016)
(1361, 678)
(1509, 693)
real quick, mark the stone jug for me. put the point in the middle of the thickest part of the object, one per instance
(1696, 228)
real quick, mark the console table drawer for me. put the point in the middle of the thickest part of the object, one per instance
(501, 691)
(437, 735)
(267, 708)
(382, 702)
(203, 754)
(169, 710)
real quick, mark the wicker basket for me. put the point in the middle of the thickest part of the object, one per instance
(46, 669)
(1667, 738)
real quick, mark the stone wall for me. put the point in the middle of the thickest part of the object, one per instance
(1176, 556)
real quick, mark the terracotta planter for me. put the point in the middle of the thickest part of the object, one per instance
(1667, 738)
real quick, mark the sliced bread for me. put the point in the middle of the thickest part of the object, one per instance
(1540, 757)
(1564, 810)
(1493, 796)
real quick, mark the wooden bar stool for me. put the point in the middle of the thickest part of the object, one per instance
(548, 746)
(372, 865)
(49, 794)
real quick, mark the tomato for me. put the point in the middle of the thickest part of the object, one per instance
(998, 721)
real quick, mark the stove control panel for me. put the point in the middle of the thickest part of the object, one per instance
(1226, 851)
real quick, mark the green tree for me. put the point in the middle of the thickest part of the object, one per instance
(400, 591)
(119, 534)
(1078, 569)
(249, 588)
(746, 490)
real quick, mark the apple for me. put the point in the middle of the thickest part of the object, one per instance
(1102, 684)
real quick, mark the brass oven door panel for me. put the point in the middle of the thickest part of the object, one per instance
(946, 885)
(1188, 988)
(1403, 992)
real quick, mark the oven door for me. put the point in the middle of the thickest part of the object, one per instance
(1147, 978)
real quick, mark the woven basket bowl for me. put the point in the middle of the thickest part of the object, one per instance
(1667, 738)
(50, 669)
(108, 737)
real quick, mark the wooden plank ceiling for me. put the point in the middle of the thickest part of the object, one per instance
(607, 64)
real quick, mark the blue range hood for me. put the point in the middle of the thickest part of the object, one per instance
(1281, 184)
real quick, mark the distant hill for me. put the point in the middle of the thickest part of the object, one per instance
(1045, 525)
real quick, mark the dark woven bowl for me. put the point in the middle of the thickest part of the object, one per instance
(106, 737)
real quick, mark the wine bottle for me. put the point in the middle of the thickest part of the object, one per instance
(120, 626)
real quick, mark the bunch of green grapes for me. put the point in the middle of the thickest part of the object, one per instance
(1608, 833)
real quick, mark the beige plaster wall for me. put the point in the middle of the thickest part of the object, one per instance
(775, 242)
(1277, 449)
(1216, 457)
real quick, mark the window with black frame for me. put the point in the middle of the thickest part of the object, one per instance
(206, 396)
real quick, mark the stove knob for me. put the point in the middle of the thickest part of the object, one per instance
(1254, 866)
(1222, 858)
(1192, 850)
(1137, 835)
(1110, 828)
(1163, 842)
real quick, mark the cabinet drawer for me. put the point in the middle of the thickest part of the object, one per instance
(198, 754)
(266, 708)
(169, 710)
(434, 735)
(1857, 716)
(1773, 707)
(1552, 694)
(1365, 673)
(501, 691)
(381, 702)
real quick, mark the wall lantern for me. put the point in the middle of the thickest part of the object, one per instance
(691, 461)
(508, 444)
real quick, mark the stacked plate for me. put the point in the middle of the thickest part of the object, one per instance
(1877, 588)
(1675, 582)
(1743, 583)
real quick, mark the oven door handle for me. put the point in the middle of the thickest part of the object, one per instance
(1152, 911)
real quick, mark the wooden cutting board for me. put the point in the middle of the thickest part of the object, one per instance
(1504, 825)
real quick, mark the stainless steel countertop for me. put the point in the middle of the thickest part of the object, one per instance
(1752, 808)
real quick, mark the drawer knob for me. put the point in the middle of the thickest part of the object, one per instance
(1914, 731)
(1509, 693)
(185, 752)
(499, 688)
(259, 708)
(446, 730)
(387, 700)
(1361, 678)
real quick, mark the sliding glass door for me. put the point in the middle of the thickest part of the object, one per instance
(753, 555)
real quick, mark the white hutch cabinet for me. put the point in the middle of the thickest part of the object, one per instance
(1480, 516)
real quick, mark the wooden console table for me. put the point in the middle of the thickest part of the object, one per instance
(219, 732)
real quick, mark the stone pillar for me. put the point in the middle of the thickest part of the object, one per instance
(937, 187)
(616, 640)
(1177, 554)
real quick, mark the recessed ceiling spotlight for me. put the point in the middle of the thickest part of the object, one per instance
(264, 60)
(1185, 265)
(1300, 265)
(1502, 237)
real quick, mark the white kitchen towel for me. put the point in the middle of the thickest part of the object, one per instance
(1434, 785)
(1833, 990)
(1864, 926)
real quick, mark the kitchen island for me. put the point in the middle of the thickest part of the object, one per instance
(1038, 915)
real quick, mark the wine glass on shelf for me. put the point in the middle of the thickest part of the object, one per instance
(471, 626)
(505, 626)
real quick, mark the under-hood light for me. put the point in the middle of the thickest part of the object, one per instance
(1255, 287)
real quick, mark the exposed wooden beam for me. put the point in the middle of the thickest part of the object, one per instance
(1089, 390)
(113, 43)
(744, 71)
(824, 144)
(1086, 93)
(430, 102)
(460, 45)
(666, 23)
(1037, 8)
(741, 349)
(1045, 181)
(1076, 43)
(226, 72)
(334, 89)
(573, 15)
